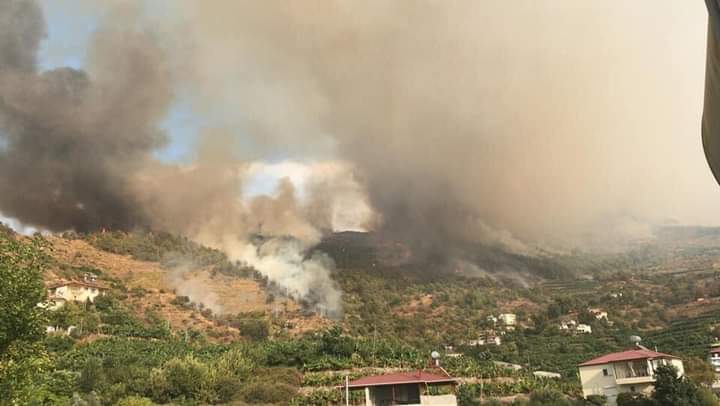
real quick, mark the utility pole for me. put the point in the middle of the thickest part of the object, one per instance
(347, 391)
(374, 339)
(482, 383)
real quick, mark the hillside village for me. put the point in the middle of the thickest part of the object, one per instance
(112, 297)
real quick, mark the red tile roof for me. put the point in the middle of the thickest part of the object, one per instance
(400, 378)
(76, 283)
(626, 356)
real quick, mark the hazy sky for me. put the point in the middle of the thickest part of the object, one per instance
(594, 106)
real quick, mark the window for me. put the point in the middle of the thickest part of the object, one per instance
(605, 372)
(632, 389)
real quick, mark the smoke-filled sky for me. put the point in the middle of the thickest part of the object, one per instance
(557, 122)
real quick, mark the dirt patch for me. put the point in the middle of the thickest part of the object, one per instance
(152, 288)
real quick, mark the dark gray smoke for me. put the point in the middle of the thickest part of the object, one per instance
(550, 121)
(465, 121)
(73, 139)
(77, 154)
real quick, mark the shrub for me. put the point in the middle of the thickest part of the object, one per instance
(286, 376)
(180, 300)
(254, 329)
(186, 377)
(92, 375)
(268, 392)
(134, 401)
(228, 387)
(596, 400)
(59, 343)
(547, 397)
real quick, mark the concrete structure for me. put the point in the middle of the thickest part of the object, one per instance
(79, 291)
(568, 325)
(507, 365)
(485, 338)
(546, 374)
(508, 319)
(583, 329)
(59, 330)
(490, 340)
(628, 371)
(407, 388)
(714, 358)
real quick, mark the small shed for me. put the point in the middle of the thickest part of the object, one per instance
(407, 388)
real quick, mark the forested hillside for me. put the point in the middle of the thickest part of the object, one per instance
(240, 340)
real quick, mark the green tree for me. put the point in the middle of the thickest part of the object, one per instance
(674, 390)
(22, 322)
(187, 378)
(699, 371)
(92, 376)
(633, 399)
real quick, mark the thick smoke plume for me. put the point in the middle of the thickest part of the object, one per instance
(561, 122)
(549, 122)
(73, 139)
(77, 154)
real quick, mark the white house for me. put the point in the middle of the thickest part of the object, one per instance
(74, 290)
(568, 325)
(490, 340)
(714, 358)
(583, 329)
(508, 319)
(487, 337)
(627, 371)
(407, 388)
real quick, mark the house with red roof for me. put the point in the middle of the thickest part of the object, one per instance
(407, 388)
(627, 371)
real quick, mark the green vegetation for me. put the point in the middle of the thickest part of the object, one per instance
(22, 321)
(671, 390)
(394, 316)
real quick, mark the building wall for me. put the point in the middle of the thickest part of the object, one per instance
(77, 293)
(508, 318)
(679, 365)
(715, 361)
(439, 400)
(594, 382)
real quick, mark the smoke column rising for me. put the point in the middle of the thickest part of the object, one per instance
(526, 124)
(561, 122)
(77, 154)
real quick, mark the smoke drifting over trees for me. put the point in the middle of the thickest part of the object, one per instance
(463, 122)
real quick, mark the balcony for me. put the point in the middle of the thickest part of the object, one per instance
(633, 372)
(635, 380)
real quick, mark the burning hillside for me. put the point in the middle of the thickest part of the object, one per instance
(449, 137)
